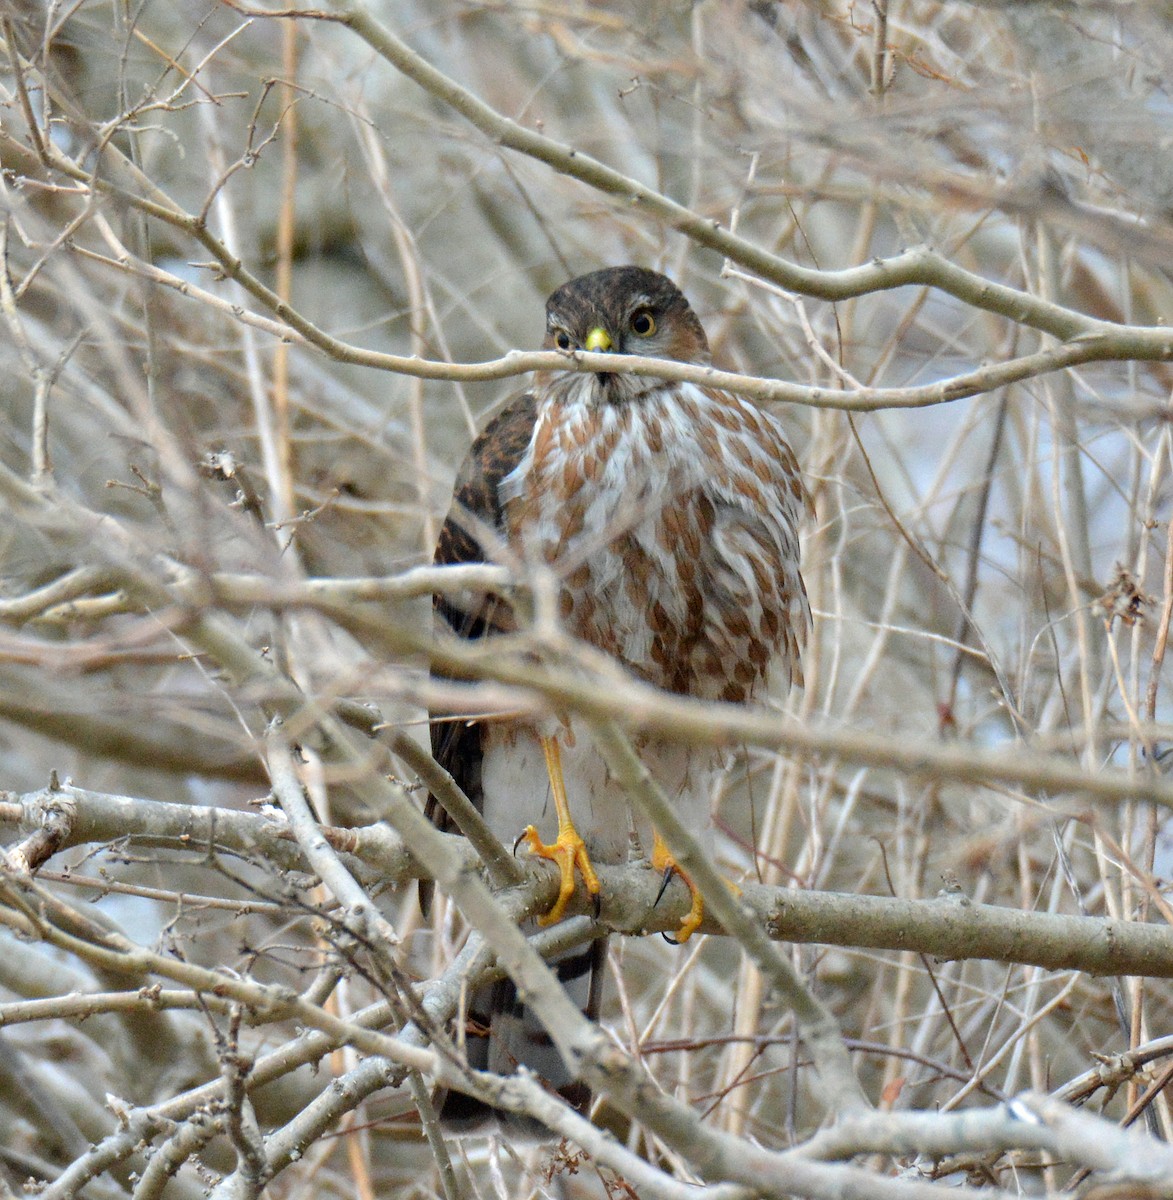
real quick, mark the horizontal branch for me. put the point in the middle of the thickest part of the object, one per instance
(1029, 1119)
(946, 928)
(1101, 343)
(584, 681)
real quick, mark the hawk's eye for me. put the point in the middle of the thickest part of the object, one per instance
(643, 323)
(562, 340)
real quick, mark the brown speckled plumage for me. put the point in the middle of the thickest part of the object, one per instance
(672, 523)
(670, 511)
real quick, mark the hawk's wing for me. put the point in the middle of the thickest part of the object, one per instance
(475, 522)
(475, 532)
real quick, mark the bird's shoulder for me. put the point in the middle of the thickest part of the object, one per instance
(476, 497)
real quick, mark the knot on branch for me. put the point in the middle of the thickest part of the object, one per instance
(52, 812)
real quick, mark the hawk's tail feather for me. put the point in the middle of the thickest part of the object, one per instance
(512, 1036)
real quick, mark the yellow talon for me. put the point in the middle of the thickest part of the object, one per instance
(663, 862)
(568, 849)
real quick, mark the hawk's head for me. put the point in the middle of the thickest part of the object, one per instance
(625, 310)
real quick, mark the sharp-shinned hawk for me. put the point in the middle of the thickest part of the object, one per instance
(668, 513)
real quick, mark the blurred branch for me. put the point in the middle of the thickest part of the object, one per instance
(31, 911)
(1083, 339)
(597, 688)
(438, 1000)
(357, 913)
(915, 267)
(1029, 1120)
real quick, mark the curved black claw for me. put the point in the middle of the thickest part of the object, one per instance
(597, 905)
(665, 880)
(520, 839)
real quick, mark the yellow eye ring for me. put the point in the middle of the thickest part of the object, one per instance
(562, 340)
(643, 323)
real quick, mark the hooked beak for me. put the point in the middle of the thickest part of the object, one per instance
(598, 340)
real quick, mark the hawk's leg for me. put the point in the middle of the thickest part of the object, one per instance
(663, 861)
(568, 849)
